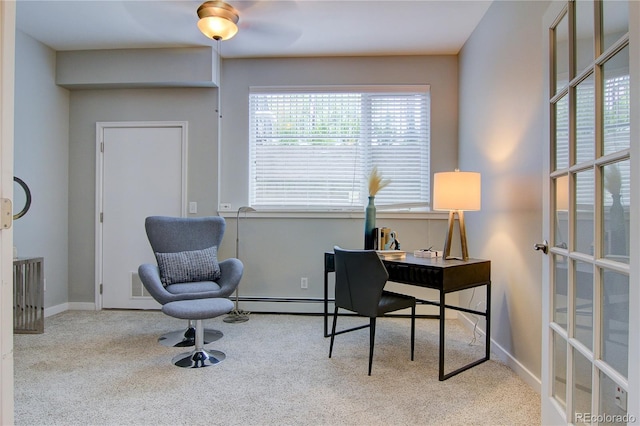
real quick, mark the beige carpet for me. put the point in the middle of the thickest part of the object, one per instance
(106, 368)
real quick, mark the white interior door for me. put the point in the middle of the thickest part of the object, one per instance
(586, 373)
(142, 174)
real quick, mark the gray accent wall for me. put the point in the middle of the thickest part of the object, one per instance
(197, 106)
(238, 75)
(280, 249)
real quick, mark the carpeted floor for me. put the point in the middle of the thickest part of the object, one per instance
(106, 368)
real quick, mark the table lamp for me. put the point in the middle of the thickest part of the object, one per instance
(237, 315)
(456, 192)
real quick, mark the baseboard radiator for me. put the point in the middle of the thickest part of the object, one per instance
(28, 295)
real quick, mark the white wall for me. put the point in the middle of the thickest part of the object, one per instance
(41, 159)
(501, 136)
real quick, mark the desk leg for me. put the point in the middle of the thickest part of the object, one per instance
(326, 302)
(487, 314)
(442, 339)
(488, 324)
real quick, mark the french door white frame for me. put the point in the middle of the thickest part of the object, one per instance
(552, 411)
(7, 73)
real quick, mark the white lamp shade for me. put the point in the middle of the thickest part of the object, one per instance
(456, 191)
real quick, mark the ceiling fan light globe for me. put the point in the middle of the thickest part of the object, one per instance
(217, 28)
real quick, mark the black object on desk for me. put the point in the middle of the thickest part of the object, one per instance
(446, 276)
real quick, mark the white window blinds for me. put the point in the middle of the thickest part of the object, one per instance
(312, 148)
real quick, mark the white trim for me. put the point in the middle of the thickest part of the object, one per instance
(551, 412)
(347, 88)
(7, 95)
(100, 127)
(333, 214)
(503, 355)
(633, 401)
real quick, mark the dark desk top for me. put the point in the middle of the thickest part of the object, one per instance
(436, 262)
(443, 274)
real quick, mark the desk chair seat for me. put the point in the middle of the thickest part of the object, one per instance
(360, 279)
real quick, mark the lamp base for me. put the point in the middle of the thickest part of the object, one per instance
(463, 236)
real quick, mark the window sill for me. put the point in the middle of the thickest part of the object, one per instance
(334, 214)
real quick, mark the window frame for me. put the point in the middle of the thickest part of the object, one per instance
(414, 209)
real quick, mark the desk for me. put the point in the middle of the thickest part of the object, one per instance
(446, 276)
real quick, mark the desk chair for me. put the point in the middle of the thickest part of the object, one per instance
(360, 279)
(187, 249)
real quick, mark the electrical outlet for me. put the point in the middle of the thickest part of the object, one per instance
(621, 398)
(304, 282)
(193, 207)
(225, 206)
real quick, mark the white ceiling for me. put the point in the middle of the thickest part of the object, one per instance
(268, 28)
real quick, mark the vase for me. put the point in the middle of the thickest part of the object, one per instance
(617, 227)
(369, 224)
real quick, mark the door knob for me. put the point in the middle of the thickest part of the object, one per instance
(544, 246)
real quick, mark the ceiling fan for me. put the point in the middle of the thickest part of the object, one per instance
(255, 19)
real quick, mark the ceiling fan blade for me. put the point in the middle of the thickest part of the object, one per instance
(268, 18)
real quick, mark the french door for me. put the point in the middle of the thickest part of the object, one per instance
(586, 349)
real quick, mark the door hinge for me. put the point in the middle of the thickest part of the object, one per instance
(6, 211)
(101, 217)
(101, 288)
(101, 146)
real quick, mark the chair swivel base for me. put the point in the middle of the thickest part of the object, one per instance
(198, 358)
(186, 338)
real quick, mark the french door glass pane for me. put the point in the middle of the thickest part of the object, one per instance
(562, 211)
(608, 405)
(581, 386)
(584, 32)
(562, 133)
(584, 222)
(616, 204)
(559, 390)
(617, 103)
(560, 301)
(615, 320)
(583, 302)
(585, 120)
(615, 21)
(561, 50)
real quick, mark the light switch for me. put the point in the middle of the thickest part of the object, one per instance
(193, 207)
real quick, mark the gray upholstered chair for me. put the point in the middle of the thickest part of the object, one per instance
(186, 249)
(360, 279)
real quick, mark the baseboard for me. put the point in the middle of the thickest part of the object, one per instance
(503, 355)
(69, 306)
(316, 306)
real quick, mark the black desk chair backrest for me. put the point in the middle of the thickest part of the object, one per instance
(360, 280)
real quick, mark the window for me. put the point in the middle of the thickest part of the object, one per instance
(313, 148)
